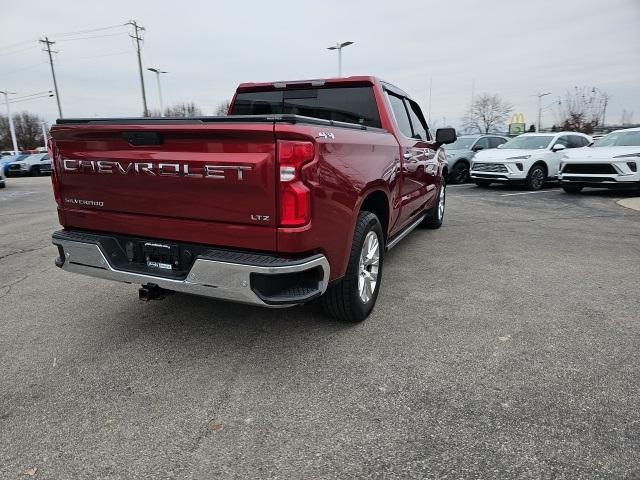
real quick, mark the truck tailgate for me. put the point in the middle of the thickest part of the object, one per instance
(186, 181)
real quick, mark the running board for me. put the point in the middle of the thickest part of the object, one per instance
(406, 231)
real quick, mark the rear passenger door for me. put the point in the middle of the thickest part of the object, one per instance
(419, 166)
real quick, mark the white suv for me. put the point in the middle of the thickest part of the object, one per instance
(612, 162)
(531, 158)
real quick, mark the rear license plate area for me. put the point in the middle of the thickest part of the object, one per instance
(162, 256)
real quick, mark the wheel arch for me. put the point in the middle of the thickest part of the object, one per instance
(377, 202)
(541, 163)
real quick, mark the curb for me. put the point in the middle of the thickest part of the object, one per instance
(632, 203)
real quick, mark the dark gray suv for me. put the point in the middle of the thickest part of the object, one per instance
(461, 152)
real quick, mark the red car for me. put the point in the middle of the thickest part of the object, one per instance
(297, 194)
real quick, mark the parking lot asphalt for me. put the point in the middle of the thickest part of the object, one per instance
(504, 345)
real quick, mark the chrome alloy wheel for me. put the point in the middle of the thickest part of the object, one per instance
(537, 178)
(369, 264)
(441, 202)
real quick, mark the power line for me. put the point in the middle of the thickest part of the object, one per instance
(80, 32)
(14, 45)
(19, 51)
(91, 36)
(31, 98)
(137, 36)
(48, 44)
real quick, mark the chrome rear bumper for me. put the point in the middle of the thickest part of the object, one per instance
(255, 279)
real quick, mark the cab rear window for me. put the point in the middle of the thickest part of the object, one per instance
(342, 104)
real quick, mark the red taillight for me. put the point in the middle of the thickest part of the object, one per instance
(54, 177)
(295, 198)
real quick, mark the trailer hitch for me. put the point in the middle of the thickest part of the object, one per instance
(151, 291)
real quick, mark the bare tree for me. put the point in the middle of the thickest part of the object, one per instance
(486, 113)
(183, 110)
(582, 109)
(28, 131)
(223, 108)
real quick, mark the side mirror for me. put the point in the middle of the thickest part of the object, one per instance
(500, 146)
(446, 135)
(558, 147)
(477, 148)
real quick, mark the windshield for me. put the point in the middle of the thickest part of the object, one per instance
(619, 139)
(528, 142)
(462, 143)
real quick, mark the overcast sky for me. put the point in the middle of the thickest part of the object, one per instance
(512, 48)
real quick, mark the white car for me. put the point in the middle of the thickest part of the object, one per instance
(530, 159)
(612, 162)
(34, 165)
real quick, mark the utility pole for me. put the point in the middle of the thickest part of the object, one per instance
(11, 127)
(157, 71)
(339, 46)
(47, 43)
(137, 36)
(540, 95)
(430, 88)
(44, 133)
(604, 108)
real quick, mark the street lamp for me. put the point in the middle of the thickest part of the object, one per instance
(11, 127)
(339, 46)
(157, 71)
(540, 95)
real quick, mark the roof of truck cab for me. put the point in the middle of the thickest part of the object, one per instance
(312, 83)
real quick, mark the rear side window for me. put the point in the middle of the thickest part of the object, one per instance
(576, 141)
(495, 141)
(401, 115)
(482, 143)
(344, 104)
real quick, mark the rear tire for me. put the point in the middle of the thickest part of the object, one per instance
(536, 177)
(459, 173)
(482, 183)
(353, 297)
(3, 184)
(571, 189)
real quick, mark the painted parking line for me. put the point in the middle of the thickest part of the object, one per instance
(526, 193)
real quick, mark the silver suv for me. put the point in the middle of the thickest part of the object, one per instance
(461, 152)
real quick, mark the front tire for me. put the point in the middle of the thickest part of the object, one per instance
(459, 173)
(353, 297)
(571, 189)
(536, 177)
(35, 171)
(482, 183)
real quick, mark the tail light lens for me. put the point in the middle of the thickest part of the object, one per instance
(54, 177)
(295, 197)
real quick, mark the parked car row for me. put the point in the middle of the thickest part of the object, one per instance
(23, 164)
(532, 159)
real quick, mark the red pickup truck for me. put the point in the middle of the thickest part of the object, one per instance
(296, 194)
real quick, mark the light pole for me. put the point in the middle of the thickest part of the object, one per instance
(157, 71)
(44, 133)
(339, 46)
(540, 95)
(11, 127)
